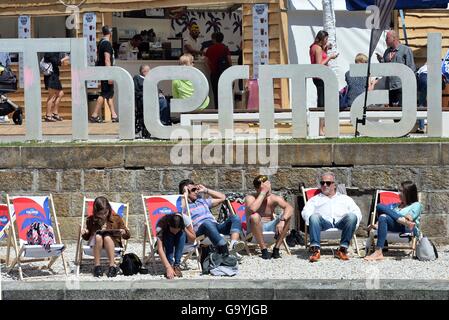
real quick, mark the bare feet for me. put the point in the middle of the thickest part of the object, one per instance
(376, 256)
(409, 224)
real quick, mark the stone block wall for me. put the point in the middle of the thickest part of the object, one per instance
(125, 172)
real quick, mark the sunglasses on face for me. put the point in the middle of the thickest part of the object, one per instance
(327, 183)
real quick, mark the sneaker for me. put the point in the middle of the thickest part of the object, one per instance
(342, 254)
(238, 246)
(238, 256)
(98, 272)
(112, 272)
(178, 272)
(265, 254)
(276, 254)
(315, 255)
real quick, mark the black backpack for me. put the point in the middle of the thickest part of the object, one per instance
(131, 264)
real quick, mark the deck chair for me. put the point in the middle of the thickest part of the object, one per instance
(389, 197)
(238, 208)
(332, 234)
(24, 210)
(4, 227)
(82, 250)
(155, 207)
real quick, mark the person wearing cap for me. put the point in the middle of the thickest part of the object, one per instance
(260, 208)
(191, 43)
(331, 209)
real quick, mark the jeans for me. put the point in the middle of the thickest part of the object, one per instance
(320, 92)
(213, 230)
(164, 110)
(388, 222)
(174, 244)
(317, 224)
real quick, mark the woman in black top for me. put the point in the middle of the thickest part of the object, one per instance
(53, 85)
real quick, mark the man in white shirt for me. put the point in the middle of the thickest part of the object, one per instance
(331, 209)
(191, 43)
(128, 50)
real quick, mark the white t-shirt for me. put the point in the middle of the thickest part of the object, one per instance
(331, 209)
(127, 52)
(195, 44)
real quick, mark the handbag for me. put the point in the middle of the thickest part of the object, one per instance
(426, 250)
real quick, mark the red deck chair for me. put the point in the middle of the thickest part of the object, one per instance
(330, 234)
(155, 207)
(121, 209)
(389, 197)
(268, 236)
(25, 210)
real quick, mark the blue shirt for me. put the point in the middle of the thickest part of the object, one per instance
(415, 210)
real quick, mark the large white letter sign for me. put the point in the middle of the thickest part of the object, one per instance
(151, 114)
(299, 74)
(226, 96)
(81, 73)
(434, 90)
(32, 80)
(408, 120)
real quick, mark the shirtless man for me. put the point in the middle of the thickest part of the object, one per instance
(260, 215)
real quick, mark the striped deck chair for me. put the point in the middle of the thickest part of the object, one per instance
(389, 197)
(238, 208)
(155, 207)
(119, 208)
(332, 234)
(25, 210)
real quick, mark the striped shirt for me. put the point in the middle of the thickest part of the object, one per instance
(200, 212)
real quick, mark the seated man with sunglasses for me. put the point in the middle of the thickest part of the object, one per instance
(260, 216)
(204, 222)
(331, 209)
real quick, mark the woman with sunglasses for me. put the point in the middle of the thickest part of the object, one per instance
(403, 217)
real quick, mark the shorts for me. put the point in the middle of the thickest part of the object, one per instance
(268, 226)
(107, 90)
(271, 225)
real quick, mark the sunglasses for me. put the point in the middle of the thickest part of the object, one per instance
(327, 183)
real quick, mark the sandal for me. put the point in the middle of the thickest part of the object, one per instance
(49, 119)
(96, 119)
(115, 119)
(57, 117)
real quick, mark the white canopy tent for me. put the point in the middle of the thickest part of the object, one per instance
(305, 19)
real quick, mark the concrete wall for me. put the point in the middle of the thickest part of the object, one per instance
(124, 172)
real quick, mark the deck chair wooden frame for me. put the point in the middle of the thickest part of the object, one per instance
(84, 250)
(150, 236)
(325, 235)
(392, 237)
(250, 239)
(20, 246)
(4, 232)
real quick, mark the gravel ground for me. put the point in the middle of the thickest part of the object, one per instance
(397, 265)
